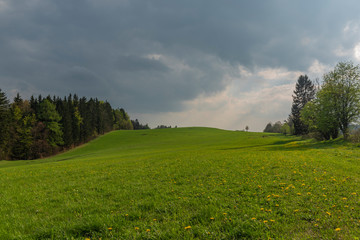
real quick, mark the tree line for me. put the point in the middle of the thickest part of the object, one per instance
(324, 111)
(41, 127)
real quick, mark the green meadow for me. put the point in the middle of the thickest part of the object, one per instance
(185, 183)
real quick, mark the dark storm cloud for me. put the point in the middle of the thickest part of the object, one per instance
(151, 56)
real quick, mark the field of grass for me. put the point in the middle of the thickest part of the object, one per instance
(185, 183)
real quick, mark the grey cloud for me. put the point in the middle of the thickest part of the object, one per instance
(97, 48)
(135, 63)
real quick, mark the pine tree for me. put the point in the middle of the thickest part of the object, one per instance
(51, 118)
(304, 92)
(76, 119)
(5, 125)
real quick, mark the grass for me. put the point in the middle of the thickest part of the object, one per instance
(185, 183)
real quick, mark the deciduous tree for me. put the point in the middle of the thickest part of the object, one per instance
(342, 86)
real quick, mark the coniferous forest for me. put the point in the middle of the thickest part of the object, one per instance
(41, 127)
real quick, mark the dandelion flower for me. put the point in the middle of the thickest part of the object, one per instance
(188, 227)
(337, 229)
(109, 228)
(212, 218)
(265, 221)
(148, 230)
(253, 218)
(136, 228)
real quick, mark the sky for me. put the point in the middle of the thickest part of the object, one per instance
(224, 64)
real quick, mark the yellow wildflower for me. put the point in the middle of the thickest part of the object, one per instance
(148, 230)
(188, 227)
(136, 228)
(337, 229)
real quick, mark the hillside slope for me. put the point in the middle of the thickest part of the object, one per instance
(184, 183)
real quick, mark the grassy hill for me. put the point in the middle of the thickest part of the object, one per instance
(185, 183)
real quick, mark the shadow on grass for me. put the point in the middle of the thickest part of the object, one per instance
(13, 163)
(278, 143)
(295, 145)
(309, 144)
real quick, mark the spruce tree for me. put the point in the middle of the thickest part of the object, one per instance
(304, 92)
(5, 125)
(51, 118)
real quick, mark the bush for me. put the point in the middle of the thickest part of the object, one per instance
(355, 136)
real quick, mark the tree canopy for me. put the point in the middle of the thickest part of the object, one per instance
(40, 127)
(337, 103)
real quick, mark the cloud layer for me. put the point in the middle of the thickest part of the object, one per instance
(180, 62)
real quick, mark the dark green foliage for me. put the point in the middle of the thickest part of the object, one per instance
(64, 108)
(273, 128)
(40, 147)
(268, 127)
(4, 123)
(22, 123)
(304, 92)
(122, 120)
(337, 103)
(162, 126)
(40, 126)
(51, 118)
(137, 125)
(76, 119)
